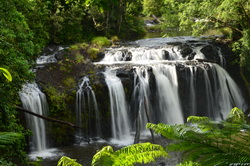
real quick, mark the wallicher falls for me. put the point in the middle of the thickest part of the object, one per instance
(158, 80)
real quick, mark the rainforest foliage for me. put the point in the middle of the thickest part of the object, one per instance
(201, 140)
(27, 26)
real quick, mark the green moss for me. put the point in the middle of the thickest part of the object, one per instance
(79, 58)
(114, 38)
(84, 45)
(69, 82)
(92, 51)
(56, 98)
(63, 68)
(74, 47)
(100, 41)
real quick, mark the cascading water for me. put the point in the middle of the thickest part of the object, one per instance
(86, 105)
(118, 106)
(173, 79)
(167, 98)
(34, 100)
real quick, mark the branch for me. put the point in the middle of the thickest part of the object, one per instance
(206, 60)
(47, 118)
(212, 19)
(52, 120)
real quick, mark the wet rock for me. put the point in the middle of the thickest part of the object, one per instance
(60, 55)
(185, 51)
(210, 52)
(100, 56)
(166, 55)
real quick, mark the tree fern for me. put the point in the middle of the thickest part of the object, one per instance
(208, 142)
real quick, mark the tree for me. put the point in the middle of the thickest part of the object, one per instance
(200, 16)
(153, 7)
(9, 140)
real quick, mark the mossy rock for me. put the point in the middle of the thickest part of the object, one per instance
(100, 41)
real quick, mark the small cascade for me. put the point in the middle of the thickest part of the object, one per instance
(50, 55)
(34, 100)
(86, 106)
(118, 106)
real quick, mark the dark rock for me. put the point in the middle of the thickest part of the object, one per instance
(185, 51)
(60, 55)
(166, 55)
(210, 52)
(100, 56)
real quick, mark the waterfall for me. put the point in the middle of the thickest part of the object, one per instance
(167, 94)
(173, 78)
(118, 106)
(35, 100)
(86, 105)
(228, 94)
(141, 97)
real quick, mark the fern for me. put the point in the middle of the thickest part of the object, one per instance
(208, 142)
(130, 155)
(66, 161)
(7, 138)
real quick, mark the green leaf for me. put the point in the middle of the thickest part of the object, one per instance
(6, 73)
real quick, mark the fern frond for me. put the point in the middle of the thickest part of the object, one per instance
(175, 132)
(197, 119)
(66, 161)
(189, 163)
(103, 157)
(236, 115)
(139, 153)
(7, 138)
(130, 155)
(182, 146)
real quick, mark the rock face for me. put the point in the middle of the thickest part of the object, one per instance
(145, 67)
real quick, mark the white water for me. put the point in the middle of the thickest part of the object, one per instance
(229, 95)
(118, 106)
(34, 100)
(210, 91)
(167, 94)
(141, 88)
(192, 87)
(86, 104)
(48, 58)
